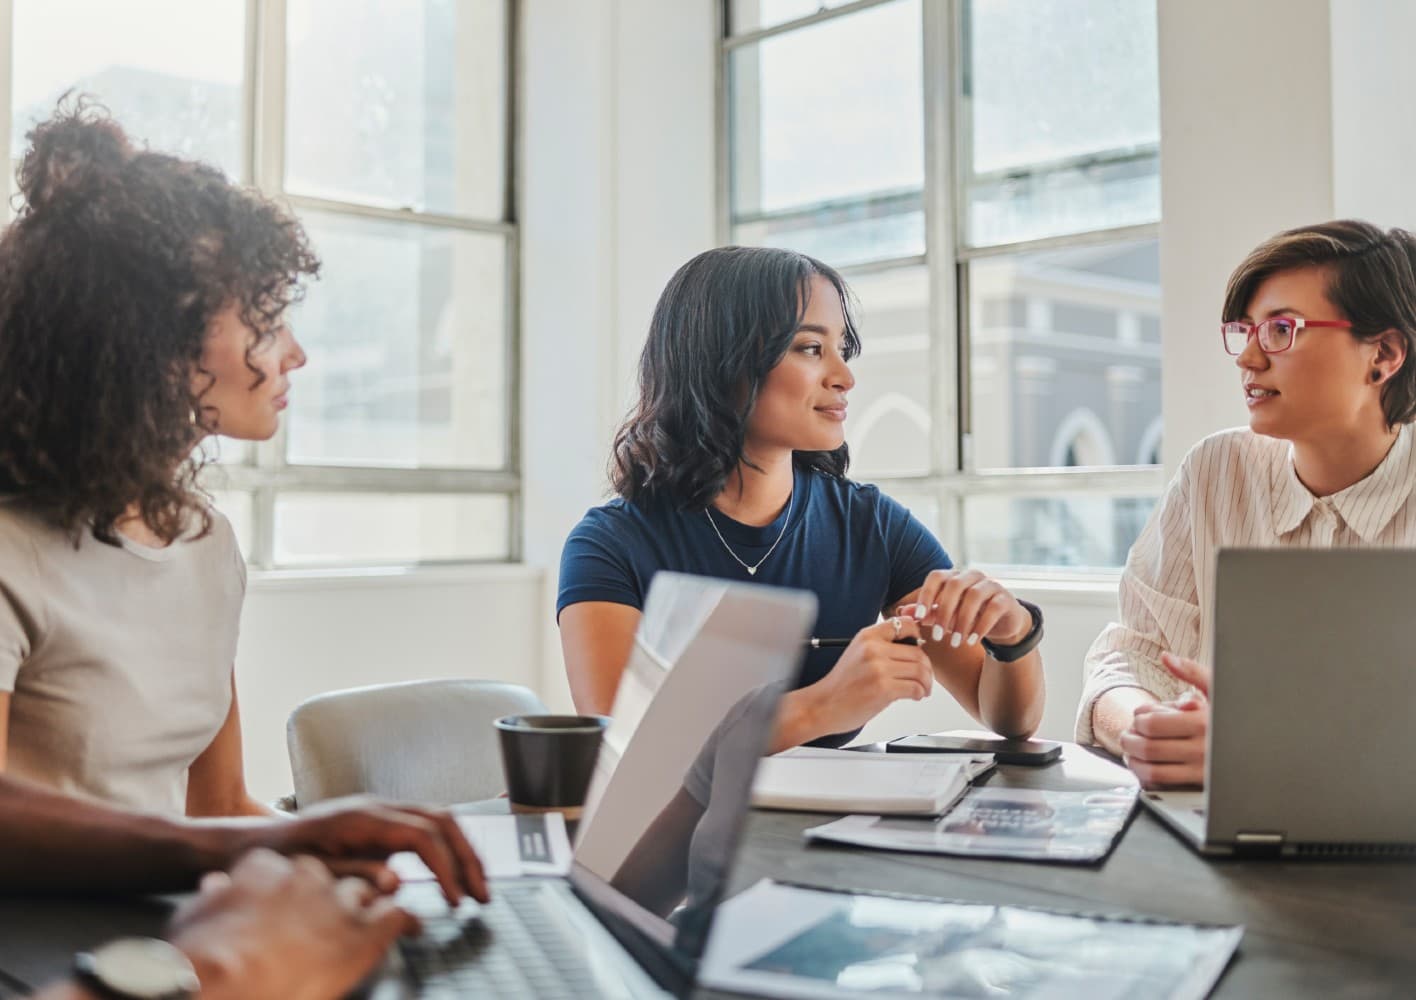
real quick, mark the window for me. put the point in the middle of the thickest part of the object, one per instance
(986, 175)
(387, 129)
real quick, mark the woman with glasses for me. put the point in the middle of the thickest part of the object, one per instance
(733, 465)
(1320, 321)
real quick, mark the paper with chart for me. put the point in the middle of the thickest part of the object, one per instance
(1022, 824)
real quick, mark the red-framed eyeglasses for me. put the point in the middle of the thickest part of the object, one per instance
(1275, 335)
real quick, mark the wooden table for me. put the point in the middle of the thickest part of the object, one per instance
(1312, 929)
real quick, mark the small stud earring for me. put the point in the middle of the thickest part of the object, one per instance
(1376, 375)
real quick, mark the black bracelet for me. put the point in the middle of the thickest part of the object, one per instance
(1025, 645)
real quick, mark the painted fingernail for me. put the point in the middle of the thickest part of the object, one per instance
(958, 637)
(919, 612)
(938, 632)
(934, 607)
(973, 638)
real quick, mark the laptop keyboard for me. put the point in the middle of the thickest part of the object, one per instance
(519, 945)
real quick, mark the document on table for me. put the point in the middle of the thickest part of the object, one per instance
(1017, 823)
(509, 846)
(813, 779)
(785, 941)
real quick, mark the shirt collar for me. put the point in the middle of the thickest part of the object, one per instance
(1367, 506)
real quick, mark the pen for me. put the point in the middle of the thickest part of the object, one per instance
(816, 643)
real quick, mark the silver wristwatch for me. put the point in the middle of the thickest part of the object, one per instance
(138, 968)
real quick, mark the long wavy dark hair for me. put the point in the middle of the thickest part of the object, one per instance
(723, 322)
(110, 275)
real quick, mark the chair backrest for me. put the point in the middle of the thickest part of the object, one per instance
(422, 742)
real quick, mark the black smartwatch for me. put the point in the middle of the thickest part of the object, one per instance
(137, 968)
(1025, 645)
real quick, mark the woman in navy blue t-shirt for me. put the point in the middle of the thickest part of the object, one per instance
(733, 465)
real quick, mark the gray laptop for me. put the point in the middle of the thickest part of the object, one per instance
(711, 662)
(1312, 735)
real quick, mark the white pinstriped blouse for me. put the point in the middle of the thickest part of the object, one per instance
(1235, 488)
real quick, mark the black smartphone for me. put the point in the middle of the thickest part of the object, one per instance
(1004, 751)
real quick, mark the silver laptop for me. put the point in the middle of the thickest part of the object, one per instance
(650, 862)
(1312, 735)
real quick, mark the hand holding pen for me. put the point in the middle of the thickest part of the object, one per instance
(882, 664)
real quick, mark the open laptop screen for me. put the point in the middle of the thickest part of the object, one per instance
(692, 717)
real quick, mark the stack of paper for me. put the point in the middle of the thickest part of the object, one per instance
(844, 781)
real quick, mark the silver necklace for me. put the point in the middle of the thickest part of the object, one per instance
(751, 570)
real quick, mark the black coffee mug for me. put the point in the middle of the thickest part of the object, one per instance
(548, 760)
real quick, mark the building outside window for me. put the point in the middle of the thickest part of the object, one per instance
(986, 175)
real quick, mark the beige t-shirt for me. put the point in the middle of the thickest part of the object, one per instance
(118, 659)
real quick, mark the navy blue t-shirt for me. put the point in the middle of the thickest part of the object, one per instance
(859, 551)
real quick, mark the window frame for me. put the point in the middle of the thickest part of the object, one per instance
(264, 474)
(953, 477)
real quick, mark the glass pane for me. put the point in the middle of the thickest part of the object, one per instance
(406, 334)
(170, 70)
(888, 427)
(1063, 113)
(400, 105)
(323, 528)
(1064, 357)
(827, 123)
(237, 508)
(750, 15)
(844, 235)
(1077, 531)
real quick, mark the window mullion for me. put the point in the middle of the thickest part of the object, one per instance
(269, 99)
(939, 211)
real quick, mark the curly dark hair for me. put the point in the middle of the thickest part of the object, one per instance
(110, 275)
(724, 321)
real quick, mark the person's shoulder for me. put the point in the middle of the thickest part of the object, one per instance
(24, 528)
(616, 518)
(841, 488)
(1252, 451)
(857, 498)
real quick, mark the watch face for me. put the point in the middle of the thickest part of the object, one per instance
(143, 968)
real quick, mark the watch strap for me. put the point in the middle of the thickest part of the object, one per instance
(1025, 645)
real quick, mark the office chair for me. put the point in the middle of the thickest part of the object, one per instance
(421, 742)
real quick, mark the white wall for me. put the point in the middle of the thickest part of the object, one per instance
(618, 188)
(304, 634)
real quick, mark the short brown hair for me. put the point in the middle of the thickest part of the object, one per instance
(1371, 279)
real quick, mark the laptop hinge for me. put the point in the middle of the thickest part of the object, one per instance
(1258, 845)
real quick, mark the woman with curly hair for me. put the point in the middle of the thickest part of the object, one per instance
(141, 304)
(733, 464)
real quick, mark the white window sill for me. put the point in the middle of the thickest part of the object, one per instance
(364, 577)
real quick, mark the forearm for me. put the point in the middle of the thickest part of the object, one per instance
(1113, 712)
(1011, 695)
(56, 843)
(797, 720)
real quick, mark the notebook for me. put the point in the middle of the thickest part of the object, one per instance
(812, 779)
